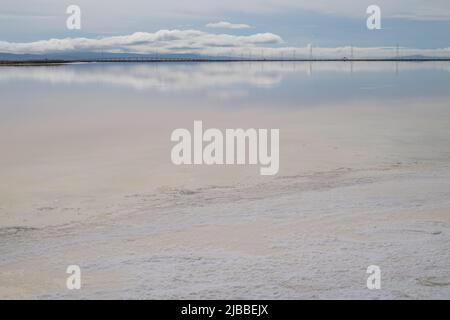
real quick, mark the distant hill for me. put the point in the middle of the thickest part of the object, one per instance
(418, 57)
(92, 56)
(97, 55)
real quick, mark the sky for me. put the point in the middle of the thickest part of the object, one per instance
(241, 27)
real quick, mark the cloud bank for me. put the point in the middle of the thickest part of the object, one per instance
(260, 45)
(163, 41)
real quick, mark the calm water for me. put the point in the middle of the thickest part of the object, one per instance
(116, 119)
(384, 111)
(281, 84)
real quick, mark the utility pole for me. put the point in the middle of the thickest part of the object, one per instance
(398, 57)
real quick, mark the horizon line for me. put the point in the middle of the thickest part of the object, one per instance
(150, 60)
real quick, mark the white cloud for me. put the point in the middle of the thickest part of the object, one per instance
(260, 45)
(227, 25)
(163, 41)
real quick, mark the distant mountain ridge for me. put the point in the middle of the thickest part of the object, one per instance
(92, 56)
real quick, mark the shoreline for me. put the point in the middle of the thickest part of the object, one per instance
(146, 60)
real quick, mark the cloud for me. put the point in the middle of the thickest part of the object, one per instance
(24, 20)
(418, 10)
(227, 25)
(259, 45)
(152, 9)
(163, 41)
